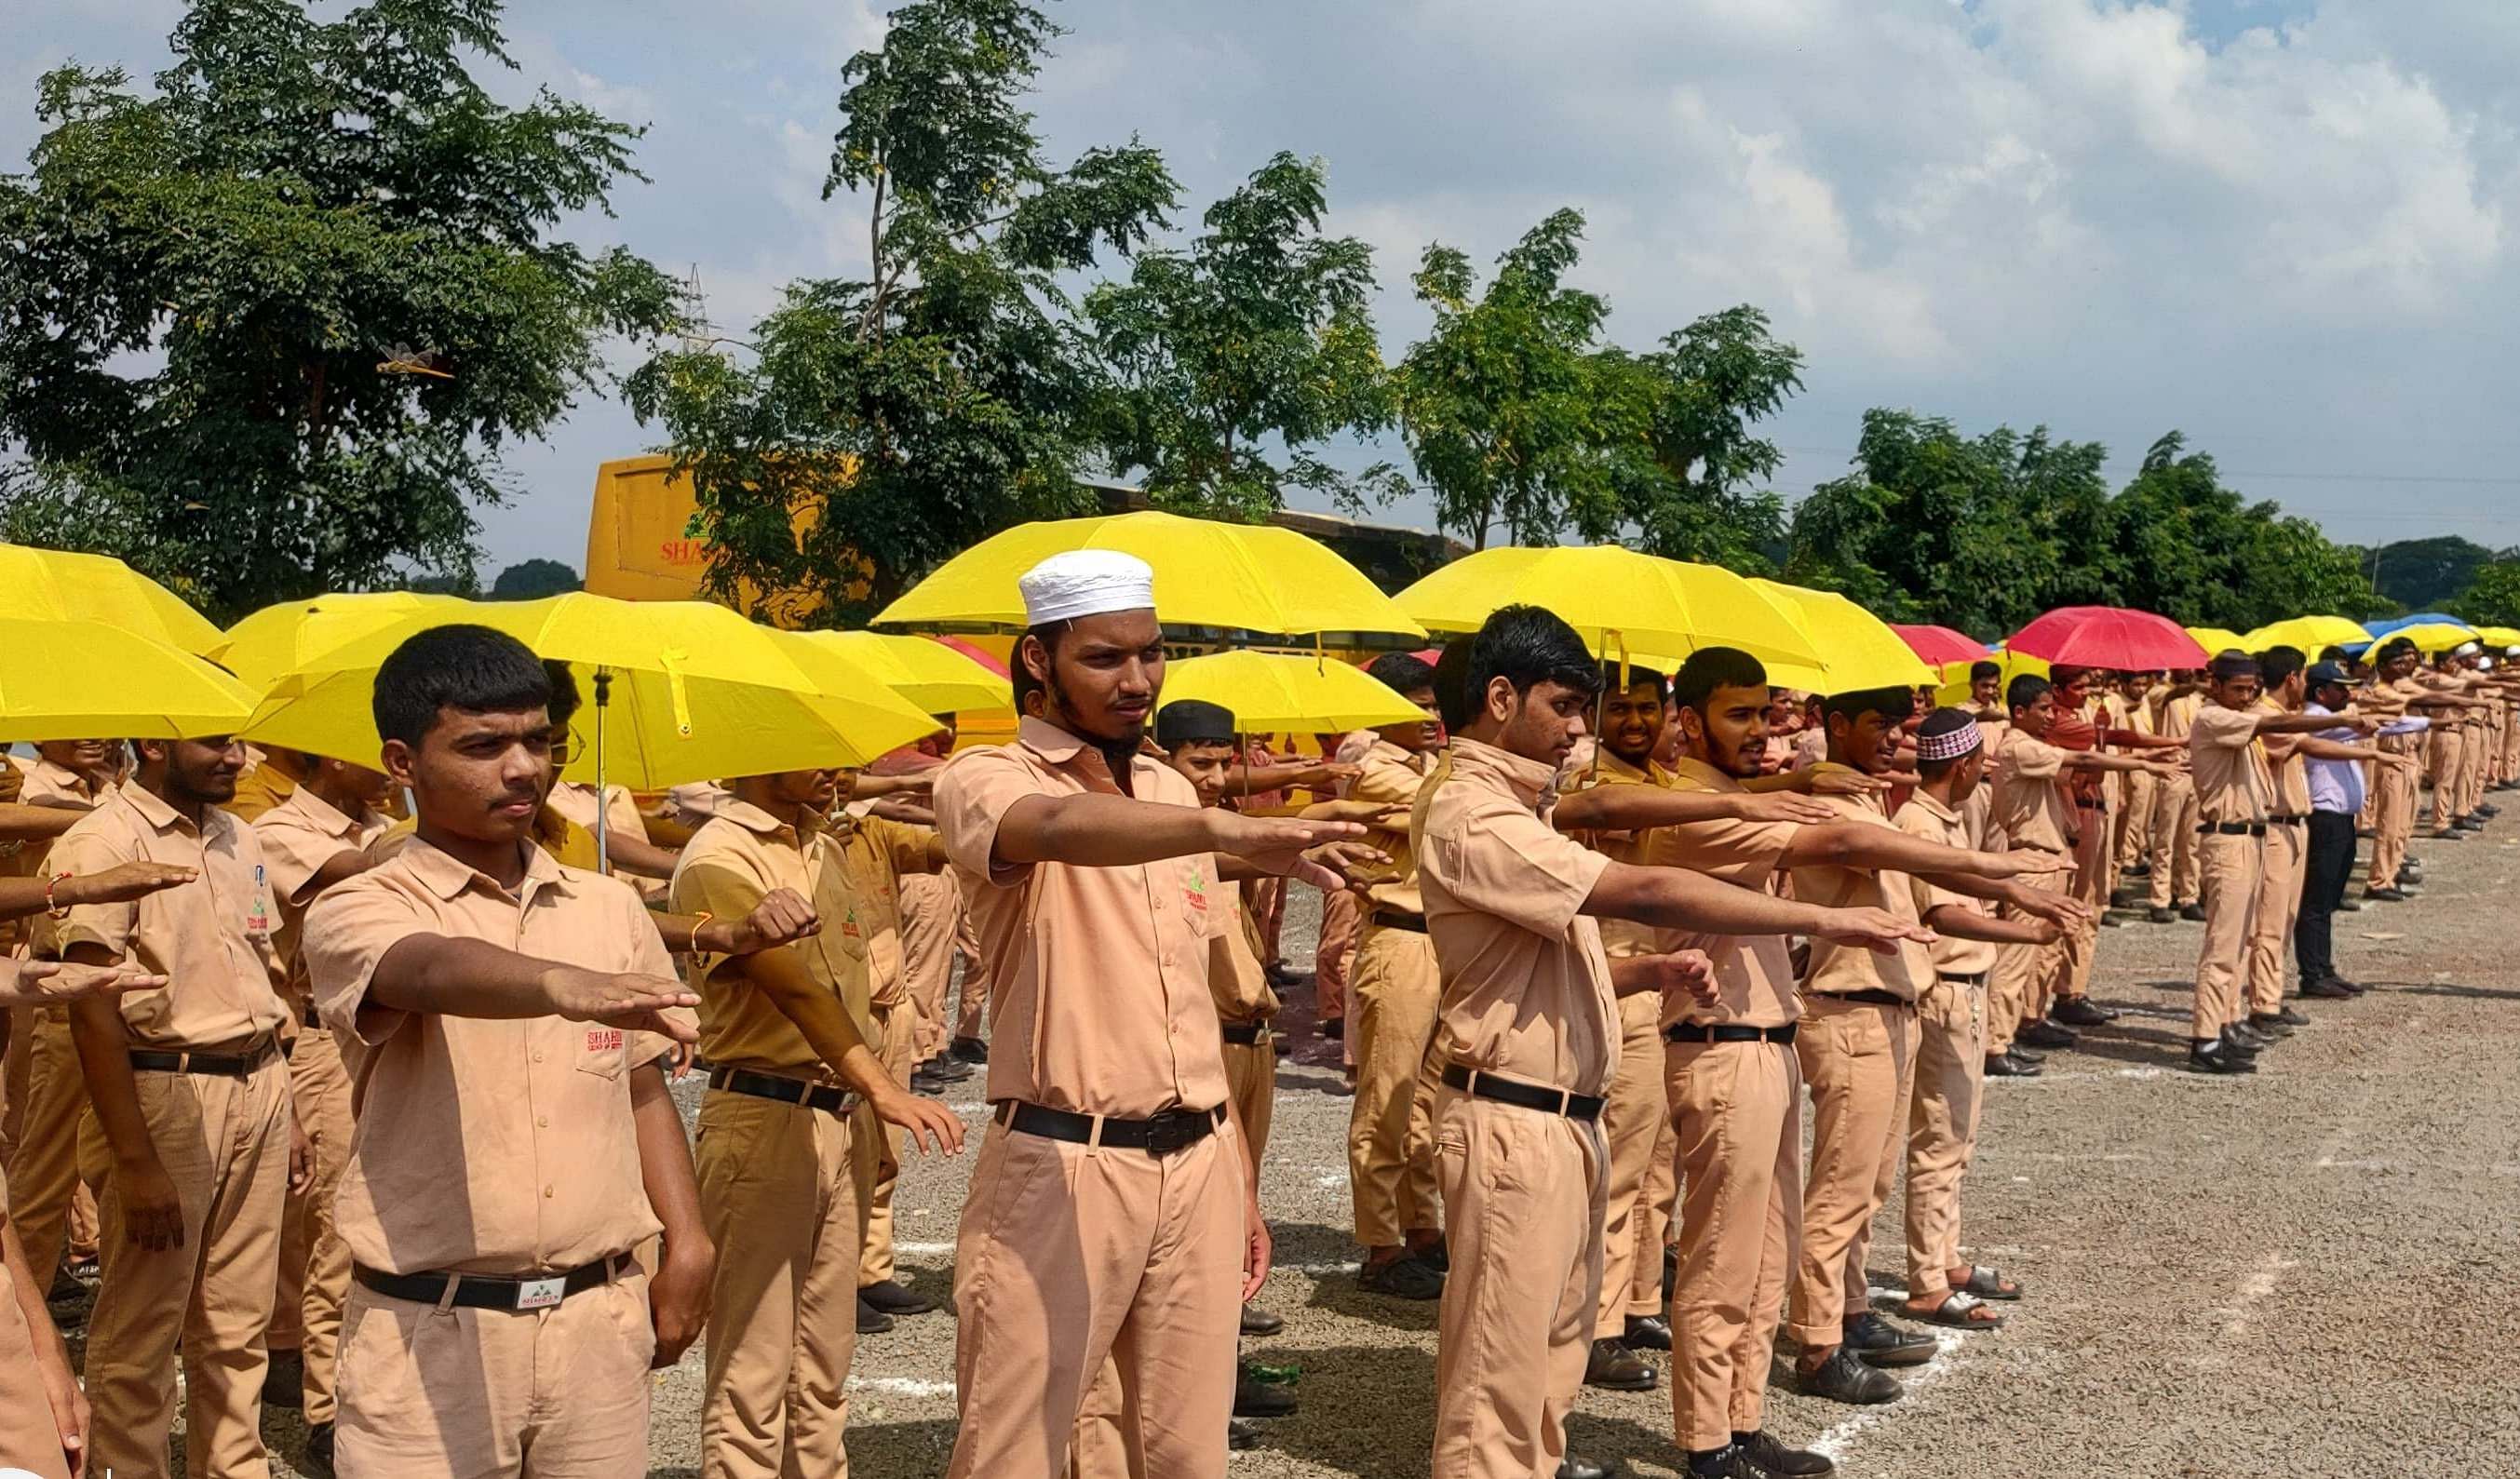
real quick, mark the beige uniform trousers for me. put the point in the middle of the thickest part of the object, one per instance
(1941, 1128)
(2449, 755)
(1390, 1148)
(874, 1147)
(1342, 917)
(935, 928)
(2173, 841)
(779, 1199)
(1073, 1255)
(487, 1394)
(2393, 819)
(2232, 866)
(47, 1193)
(1251, 1079)
(2270, 918)
(1636, 1124)
(1860, 1061)
(1737, 1108)
(1523, 1205)
(2132, 823)
(2471, 790)
(314, 1262)
(29, 1440)
(2090, 884)
(224, 1143)
(2023, 974)
(2510, 744)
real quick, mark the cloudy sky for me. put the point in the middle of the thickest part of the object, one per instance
(2283, 226)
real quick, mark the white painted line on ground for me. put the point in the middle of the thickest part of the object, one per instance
(1838, 1440)
(922, 1249)
(900, 1386)
(2260, 1284)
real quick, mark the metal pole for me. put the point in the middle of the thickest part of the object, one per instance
(602, 838)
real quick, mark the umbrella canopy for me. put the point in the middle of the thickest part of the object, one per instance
(2500, 636)
(1857, 649)
(1242, 577)
(81, 680)
(2110, 637)
(925, 672)
(2434, 636)
(2308, 634)
(57, 584)
(1938, 645)
(277, 639)
(2220, 640)
(1278, 694)
(1622, 601)
(675, 690)
(2396, 624)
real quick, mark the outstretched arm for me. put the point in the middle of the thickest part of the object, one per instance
(1679, 899)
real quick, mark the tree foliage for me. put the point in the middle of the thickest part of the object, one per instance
(533, 579)
(2424, 574)
(265, 330)
(1703, 388)
(871, 427)
(1257, 333)
(2493, 594)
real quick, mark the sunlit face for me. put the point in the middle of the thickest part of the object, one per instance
(1632, 720)
(1542, 723)
(1104, 675)
(1868, 742)
(1731, 729)
(2237, 693)
(200, 772)
(1986, 692)
(480, 776)
(2037, 717)
(1204, 764)
(1426, 734)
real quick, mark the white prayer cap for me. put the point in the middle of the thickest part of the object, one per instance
(1077, 583)
(2467, 649)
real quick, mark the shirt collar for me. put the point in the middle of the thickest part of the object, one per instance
(153, 808)
(62, 776)
(753, 818)
(1611, 765)
(1533, 781)
(445, 875)
(1421, 761)
(1701, 776)
(1057, 746)
(1934, 807)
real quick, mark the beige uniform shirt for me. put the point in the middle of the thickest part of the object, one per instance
(1754, 974)
(1236, 977)
(1392, 776)
(1835, 969)
(879, 850)
(261, 787)
(486, 1146)
(1622, 938)
(212, 938)
(2033, 806)
(1526, 987)
(1098, 976)
(576, 801)
(1929, 818)
(2231, 779)
(2287, 770)
(298, 836)
(41, 782)
(726, 869)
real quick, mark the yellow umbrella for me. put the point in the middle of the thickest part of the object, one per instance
(925, 673)
(1956, 675)
(1280, 694)
(1857, 649)
(277, 639)
(58, 585)
(2219, 640)
(1645, 607)
(2310, 634)
(81, 680)
(677, 690)
(2433, 636)
(1244, 577)
(2498, 636)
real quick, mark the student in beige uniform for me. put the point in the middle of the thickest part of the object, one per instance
(935, 930)
(1112, 1205)
(506, 1015)
(2397, 792)
(2173, 887)
(190, 1135)
(797, 1073)
(1950, 1017)
(1528, 1041)
(2282, 675)
(319, 835)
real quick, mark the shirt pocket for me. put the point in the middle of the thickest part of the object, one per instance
(599, 1050)
(1205, 906)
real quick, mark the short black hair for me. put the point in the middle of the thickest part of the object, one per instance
(1404, 673)
(1896, 704)
(2061, 673)
(1192, 721)
(2277, 664)
(1713, 667)
(1637, 672)
(474, 669)
(2231, 665)
(564, 696)
(1453, 685)
(1985, 668)
(2333, 653)
(1020, 677)
(2396, 647)
(1528, 646)
(2025, 690)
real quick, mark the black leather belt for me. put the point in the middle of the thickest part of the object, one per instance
(224, 1065)
(1245, 1034)
(1168, 1131)
(307, 1016)
(1979, 979)
(1726, 1032)
(2232, 828)
(2093, 806)
(1393, 919)
(828, 1097)
(1868, 997)
(490, 1291)
(2294, 819)
(1522, 1095)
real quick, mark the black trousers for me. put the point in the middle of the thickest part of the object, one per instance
(2324, 872)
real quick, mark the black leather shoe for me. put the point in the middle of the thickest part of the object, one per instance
(2386, 895)
(1403, 1278)
(2005, 1065)
(1259, 1321)
(1333, 1028)
(872, 1320)
(924, 1082)
(2075, 1011)
(1847, 1377)
(2193, 913)
(1572, 1467)
(2270, 1026)
(2161, 916)
(894, 1299)
(2469, 824)
(2290, 1018)
(1239, 1435)
(2351, 988)
(2328, 989)
(2349, 906)
(2451, 833)
(1729, 1461)
(284, 1380)
(2410, 872)
(2488, 810)
(2030, 1055)
(2217, 1059)
(950, 1069)
(1884, 1344)
(2240, 1042)
(1647, 1332)
(1771, 1457)
(319, 1451)
(1254, 1398)
(1614, 1367)
(2044, 1034)
(1434, 1255)
(970, 1049)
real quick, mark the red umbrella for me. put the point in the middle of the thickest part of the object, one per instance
(1938, 645)
(980, 655)
(2110, 637)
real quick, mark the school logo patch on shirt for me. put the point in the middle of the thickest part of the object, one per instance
(257, 918)
(1194, 893)
(604, 1040)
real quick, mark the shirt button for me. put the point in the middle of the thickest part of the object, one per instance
(542, 1121)
(538, 1054)
(547, 1194)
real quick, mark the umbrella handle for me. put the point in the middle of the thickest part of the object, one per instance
(602, 833)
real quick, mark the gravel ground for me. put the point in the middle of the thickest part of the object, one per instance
(2225, 1276)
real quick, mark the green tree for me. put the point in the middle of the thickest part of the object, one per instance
(1257, 334)
(871, 428)
(266, 328)
(1513, 411)
(1703, 388)
(2197, 552)
(2493, 594)
(533, 579)
(2422, 574)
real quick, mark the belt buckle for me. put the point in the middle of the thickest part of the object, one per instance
(1168, 1133)
(540, 1294)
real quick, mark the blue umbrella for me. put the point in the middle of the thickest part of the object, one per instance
(2380, 629)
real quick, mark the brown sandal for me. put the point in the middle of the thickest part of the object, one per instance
(1988, 1283)
(1960, 1311)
